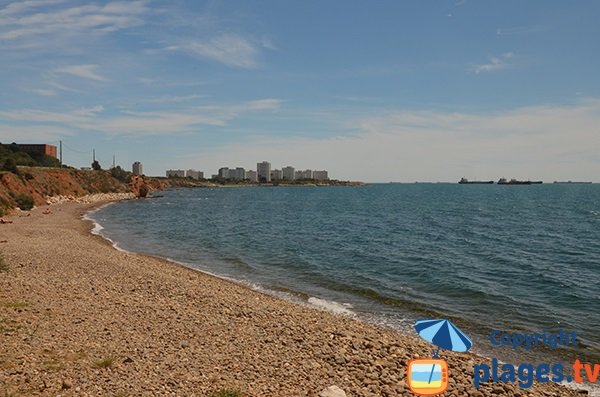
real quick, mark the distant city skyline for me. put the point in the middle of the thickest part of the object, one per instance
(262, 173)
(397, 91)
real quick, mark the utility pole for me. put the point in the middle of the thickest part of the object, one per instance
(94, 154)
(113, 161)
(61, 163)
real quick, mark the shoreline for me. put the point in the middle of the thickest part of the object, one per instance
(173, 330)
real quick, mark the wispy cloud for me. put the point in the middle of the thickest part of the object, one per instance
(83, 71)
(190, 119)
(495, 63)
(518, 30)
(230, 49)
(26, 21)
(175, 98)
(41, 91)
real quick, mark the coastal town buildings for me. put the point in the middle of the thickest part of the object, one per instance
(252, 176)
(263, 174)
(194, 174)
(306, 174)
(223, 172)
(288, 173)
(238, 174)
(137, 168)
(276, 175)
(233, 174)
(175, 174)
(320, 175)
(263, 171)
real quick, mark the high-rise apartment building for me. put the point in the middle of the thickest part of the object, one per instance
(263, 171)
(137, 168)
(306, 174)
(175, 173)
(320, 175)
(276, 175)
(194, 174)
(288, 173)
(224, 172)
(252, 176)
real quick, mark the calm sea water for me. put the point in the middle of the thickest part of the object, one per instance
(516, 258)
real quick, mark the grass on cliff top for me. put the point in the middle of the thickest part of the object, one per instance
(226, 393)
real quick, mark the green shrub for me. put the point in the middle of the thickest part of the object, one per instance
(24, 202)
(120, 174)
(10, 165)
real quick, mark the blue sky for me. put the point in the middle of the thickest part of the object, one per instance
(373, 91)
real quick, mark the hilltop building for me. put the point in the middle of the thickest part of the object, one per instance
(137, 168)
(175, 174)
(288, 173)
(38, 150)
(194, 174)
(263, 171)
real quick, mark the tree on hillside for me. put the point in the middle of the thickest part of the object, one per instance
(96, 165)
(10, 165)
(120, 174)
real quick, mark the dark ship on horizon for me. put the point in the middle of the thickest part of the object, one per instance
(466, 181)
(503, 181)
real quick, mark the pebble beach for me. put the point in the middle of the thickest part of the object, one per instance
(80, 318)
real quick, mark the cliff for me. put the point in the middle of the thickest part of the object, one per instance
(36, 185)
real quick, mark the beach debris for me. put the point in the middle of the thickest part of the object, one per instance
(332, 391)
(67, 384)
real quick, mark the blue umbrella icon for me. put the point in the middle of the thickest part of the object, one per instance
(444, 335)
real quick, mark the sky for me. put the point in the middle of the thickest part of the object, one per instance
(375, 91)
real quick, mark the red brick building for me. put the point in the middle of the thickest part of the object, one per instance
(48, 150)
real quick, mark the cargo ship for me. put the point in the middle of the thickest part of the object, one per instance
(503, 181)
(466, 181)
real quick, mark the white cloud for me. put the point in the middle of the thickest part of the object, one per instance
(229, 49)
(84, 71)
(494, 64)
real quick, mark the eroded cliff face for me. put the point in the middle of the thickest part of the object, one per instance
(42, 183)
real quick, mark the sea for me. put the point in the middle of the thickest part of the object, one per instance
(514, 258)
